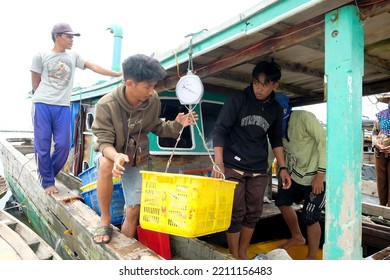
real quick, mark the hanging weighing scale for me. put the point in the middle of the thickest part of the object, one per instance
(189, 89)
(181, 204)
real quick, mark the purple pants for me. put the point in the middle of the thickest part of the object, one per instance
(51, 122)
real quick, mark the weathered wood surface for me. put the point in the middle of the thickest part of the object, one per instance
(375, 235)
(376, 210)
(375, 229)
(23, 145)
(369, 188)
(195, 249)
(66, 221)
(7, 251)
(18, 241)
(381, 255)
(20, 247)
(3, 186)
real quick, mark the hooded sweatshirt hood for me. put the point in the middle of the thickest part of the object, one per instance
(283, 102)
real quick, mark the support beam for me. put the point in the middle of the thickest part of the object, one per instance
(344, 57)
(376, 88)
(378, 64)
(290, 37)
(228, 75)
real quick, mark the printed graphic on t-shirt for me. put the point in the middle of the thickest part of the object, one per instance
(60, 73)
(255, 120)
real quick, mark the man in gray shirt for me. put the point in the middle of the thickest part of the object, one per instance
(52, 75)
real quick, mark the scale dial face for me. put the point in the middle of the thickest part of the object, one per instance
(189, 89)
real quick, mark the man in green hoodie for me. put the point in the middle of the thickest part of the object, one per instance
(304, 141)
(141, 104)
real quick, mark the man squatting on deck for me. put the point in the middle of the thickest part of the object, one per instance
(52, 75)
(241, 150)
(137, 97)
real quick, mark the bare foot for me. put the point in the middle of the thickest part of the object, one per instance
(294, 241)
(243, 257)
(51, 190)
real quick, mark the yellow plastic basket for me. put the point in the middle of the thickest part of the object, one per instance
(185, 205)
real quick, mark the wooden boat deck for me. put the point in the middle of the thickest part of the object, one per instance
(3, 186)
(75, 221)
(18, 242)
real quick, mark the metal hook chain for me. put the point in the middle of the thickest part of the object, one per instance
(190, 68)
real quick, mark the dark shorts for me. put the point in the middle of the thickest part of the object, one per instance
(248, 198)
(312, 203)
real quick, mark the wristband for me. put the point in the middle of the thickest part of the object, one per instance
(219, 163)
(283, 167)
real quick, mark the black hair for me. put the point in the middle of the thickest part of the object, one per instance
(271, 70)
(142, 68)
(53, 36)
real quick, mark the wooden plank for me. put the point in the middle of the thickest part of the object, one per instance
(71, 221)
(279, 41)
(22, 249)
(375, 210)
(3, 186)
(41, 249)
(369, 188)
(376, 237)
(7, 251)
(381, 255)
(27, 234)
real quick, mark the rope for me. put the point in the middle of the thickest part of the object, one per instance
(190, 115)
(17, 205)
(190, 69)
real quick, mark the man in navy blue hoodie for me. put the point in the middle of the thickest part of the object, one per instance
(241, 151)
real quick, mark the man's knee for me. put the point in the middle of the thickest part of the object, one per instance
(105, 166)
(132, 211)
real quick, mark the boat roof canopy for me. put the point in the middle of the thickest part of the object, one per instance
(292, 33)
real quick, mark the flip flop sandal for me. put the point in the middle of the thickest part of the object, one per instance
(103, 231)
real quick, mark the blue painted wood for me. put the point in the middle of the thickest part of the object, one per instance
(344, 56)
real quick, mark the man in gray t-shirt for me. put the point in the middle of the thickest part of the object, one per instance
(52, 75)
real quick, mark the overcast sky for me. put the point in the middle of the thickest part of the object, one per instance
(148, 26)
